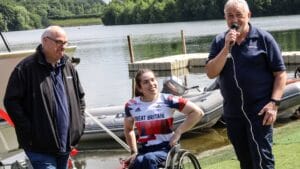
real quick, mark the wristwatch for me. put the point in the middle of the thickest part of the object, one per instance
(276, 102)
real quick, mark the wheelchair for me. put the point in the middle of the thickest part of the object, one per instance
(180, 159)
(177, 158)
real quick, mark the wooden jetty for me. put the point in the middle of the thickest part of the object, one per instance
(181, 61)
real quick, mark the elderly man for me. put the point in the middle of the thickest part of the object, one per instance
(45, 100)
(252, 77)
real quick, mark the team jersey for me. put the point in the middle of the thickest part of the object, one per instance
(154, 120)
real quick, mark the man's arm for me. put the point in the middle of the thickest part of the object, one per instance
(279, 84)
(270, 110)
(13, 100)
(215, 65)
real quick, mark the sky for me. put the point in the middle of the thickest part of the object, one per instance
(106, 1)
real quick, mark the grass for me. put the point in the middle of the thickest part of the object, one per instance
(76, 21)
(286, 150)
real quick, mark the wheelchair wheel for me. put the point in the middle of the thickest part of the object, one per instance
(172, 158)
(187, 160)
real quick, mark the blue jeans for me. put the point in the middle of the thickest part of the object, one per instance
(48, 161)
(247, 149)
(151, 157)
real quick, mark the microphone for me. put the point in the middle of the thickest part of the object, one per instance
(234, 26)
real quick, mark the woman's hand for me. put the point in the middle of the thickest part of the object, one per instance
(129, 161)
(175, 139)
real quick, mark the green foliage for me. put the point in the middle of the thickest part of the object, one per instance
(76, 21)
(32, 14)
(2, 23)
(153, 11)
(112, 13)
(15, 17)
(289, 40)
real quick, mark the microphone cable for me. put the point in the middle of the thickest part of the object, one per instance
(235, 26)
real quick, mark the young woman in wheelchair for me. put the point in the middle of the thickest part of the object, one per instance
(152, 114)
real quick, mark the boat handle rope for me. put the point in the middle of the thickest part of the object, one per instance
(113, 135)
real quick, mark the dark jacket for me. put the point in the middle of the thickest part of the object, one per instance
(30, 102)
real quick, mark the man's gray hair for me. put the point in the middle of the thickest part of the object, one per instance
(51, 30)
(231, 3)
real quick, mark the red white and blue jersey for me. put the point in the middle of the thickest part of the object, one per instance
(154, 120)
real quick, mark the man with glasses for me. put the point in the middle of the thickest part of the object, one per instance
(45, 100)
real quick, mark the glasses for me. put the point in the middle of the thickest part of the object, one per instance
(58, 42)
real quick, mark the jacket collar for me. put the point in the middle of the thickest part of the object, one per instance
(42, 58)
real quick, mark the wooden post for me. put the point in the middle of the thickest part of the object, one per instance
(131, 61)
(184, 52)
(130, 49)
(133, 88)
(183, 42)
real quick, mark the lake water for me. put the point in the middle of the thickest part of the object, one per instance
(104, 55)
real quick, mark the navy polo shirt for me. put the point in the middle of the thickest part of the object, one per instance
(255, 60)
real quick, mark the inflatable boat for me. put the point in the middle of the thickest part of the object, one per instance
(113, 116)
(210, 101)
(290, 101)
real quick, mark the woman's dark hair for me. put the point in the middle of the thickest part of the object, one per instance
(138, 80)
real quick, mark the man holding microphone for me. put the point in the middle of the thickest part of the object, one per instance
(252, 77)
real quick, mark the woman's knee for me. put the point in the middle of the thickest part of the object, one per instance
(149, 157)
(137, 163)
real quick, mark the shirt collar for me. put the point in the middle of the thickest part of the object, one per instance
(253, 32)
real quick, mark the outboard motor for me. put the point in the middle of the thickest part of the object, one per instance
(215, 85)
(174, 86)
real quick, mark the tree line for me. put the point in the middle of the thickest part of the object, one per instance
(156, 11)
(33, 14)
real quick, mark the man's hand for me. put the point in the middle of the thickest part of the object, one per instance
(270, 113)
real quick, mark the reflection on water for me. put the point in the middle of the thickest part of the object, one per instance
(196, 140)
(200, 141)
(95, 159)
(288, 41)
(106, 153)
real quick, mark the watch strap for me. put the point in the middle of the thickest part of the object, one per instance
(277, 102)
